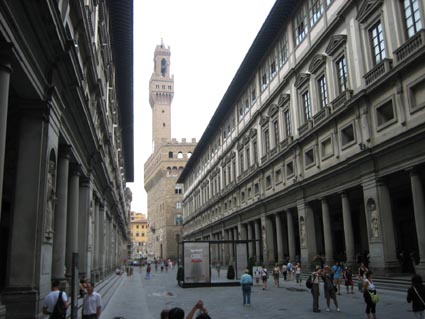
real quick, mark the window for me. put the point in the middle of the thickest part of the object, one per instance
(412, 17)
(309, 158)
(246, 105)
(268, 181)
(241, 162)
(376, 35)
(179, 219)
(276, 132)
(305, 98)
(266, 141)
(178, 205)
(256, 188)
(283, 49)
(290, 169)
(253, 94)
(273, 65)
(323, 93)
(170, 154)
(347, 136)
(224, 177)
(278, 176)
(254, 147)
(385, 113)
(248, 162)
(316, 11)
(264, 79)
(242, 196)
(300, 25)
(287, 117)
(180, 155)
(341, 65)
(326, 148)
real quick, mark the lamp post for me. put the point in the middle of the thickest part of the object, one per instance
(178, 249)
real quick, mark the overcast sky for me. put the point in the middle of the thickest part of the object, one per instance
(208, 41)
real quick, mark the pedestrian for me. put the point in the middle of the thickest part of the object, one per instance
(329, 288)
(217, 267)
(51, 300)
(176, 313)
(246, 283)
(337, 269)
(148, 272)
(83, 286)
(264, 277)
(416, 296)
(348, 277)
(202, 312)
(92, 303)
(276, 274)
(315, 291)
(284, 271)
(257, 275)
(362, 275)
(298, 274)
(369, 289)
(290, 268)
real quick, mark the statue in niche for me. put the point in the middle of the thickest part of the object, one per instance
(51, 200)
(302, 232)
(374, 224)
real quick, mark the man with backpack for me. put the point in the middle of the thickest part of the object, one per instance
(54, 306)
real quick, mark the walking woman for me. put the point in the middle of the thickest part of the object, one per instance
(276, 275)
(368, 290)
(329, 288)
(416, 295)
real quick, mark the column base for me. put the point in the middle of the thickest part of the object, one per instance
(21, 303)
(2, 312)
(420, 268)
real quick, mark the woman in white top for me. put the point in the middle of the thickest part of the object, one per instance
(369, 288)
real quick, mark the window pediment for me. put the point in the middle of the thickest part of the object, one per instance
(335, 43)
(366, 8)
(264, 120)
(283, 99)
(302, 78)
(273, 110)
(316, 63)
(246, 139)
(240, 146)
(252, 132)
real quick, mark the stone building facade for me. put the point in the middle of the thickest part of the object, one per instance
(317, 147)
(66, 144)
(163, 167)
(138, 235)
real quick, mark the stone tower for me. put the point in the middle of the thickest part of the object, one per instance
(161, 92)
(163, 167)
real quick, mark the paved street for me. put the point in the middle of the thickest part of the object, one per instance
(136, 297)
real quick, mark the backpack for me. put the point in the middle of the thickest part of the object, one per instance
(309, 282)
(59, 311)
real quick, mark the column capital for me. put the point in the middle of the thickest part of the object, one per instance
(6, 57)
(65, 151)
(413, 171)
(75, 169)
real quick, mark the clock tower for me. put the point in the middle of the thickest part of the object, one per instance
(161, 92)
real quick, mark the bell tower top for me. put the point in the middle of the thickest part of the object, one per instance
(161, 93)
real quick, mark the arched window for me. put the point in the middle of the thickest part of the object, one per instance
(163, 67)
(180, 155)
(170, 154)
(189, 154)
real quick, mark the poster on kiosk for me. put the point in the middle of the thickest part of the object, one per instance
(196, 263)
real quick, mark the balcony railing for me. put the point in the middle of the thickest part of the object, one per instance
(379, 70)
(410, 46)
(322, 114)
(341, 99)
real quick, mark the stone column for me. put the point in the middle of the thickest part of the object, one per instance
(59, 239)
(419, 208)
(327, 232)
(279, 239)
(26, 233)
(391, 262)
(291, 235)
(72, 217)
(5, 71)
(96, 235)
(257, 225)
(102, 213)
(250, 237)
(348, 229)
(83, 222)
(225, 247)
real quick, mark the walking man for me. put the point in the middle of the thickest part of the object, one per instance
(52, 298)
(246, 283)
(92, 303)
(315, 291)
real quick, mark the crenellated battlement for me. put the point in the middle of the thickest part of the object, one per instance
(175, 141)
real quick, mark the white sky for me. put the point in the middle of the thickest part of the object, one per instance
(208, 41)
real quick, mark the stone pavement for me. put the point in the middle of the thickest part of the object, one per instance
(136, 298)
